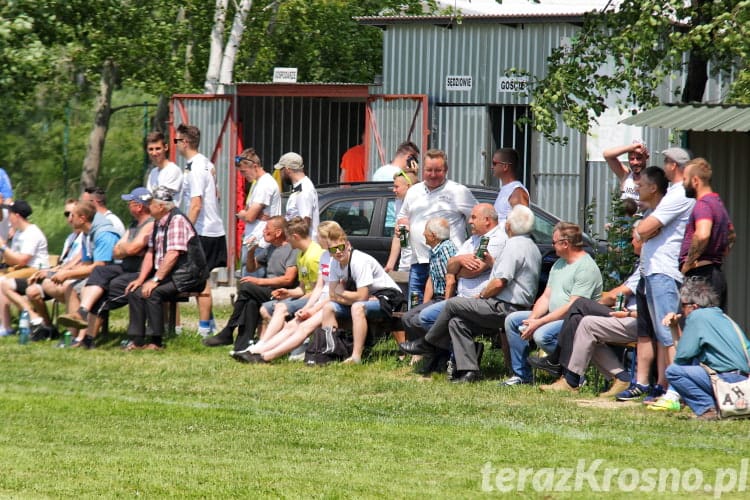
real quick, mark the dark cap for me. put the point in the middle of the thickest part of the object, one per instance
(19, 207)
(163, 193)
(139, 194)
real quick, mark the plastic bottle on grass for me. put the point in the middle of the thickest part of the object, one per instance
(24, 327)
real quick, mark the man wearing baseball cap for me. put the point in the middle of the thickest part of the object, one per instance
(26, 254)
(111, 279)
(303, 202)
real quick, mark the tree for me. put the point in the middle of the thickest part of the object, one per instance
(627, 53)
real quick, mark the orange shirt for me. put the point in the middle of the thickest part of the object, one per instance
(353, 164)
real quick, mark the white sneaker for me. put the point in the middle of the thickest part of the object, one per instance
(514, 380)
(298, 354)
(205, 332)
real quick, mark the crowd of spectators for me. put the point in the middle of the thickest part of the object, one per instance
(473, 272)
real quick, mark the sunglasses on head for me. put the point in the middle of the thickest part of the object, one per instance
(239, 159)
(337, 248)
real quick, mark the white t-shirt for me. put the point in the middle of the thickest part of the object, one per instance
(404, 261)
(451, 201)
(266, 192)
(324, 270)
(32, 241)
(629, 189)
(366, 271)
(385, 173)
(169, 176)
(659, 254)
(303, 202)
(199, 182)
(116, 222)
(471, 287)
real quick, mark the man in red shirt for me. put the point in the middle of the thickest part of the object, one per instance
(353, 163)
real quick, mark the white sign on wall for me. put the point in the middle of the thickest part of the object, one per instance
(462, 83)
(512, 84)
(284, 75)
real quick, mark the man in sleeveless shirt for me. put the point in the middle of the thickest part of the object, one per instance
(512, 191)
(628, 174)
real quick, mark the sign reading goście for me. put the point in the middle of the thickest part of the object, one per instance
(453, 82)
(512, 84)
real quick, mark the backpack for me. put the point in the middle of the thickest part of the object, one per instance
(191, 272)
(328, 345)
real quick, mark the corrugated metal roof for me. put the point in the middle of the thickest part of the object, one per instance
(446, 20)
(699, 117)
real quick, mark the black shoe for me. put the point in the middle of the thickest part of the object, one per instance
(248, 357)
(545, 365)
(417, 347)
(224, 337)
(468, 377)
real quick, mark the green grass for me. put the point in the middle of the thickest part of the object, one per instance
(191, 422)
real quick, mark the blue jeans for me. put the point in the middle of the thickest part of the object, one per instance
(292, 305)
(663, 296)
(519, 348)
(429, 314)
(418, 274)
(694, 385)
(372, 309)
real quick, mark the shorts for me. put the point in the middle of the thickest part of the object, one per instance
(372, 310)
(215, 248)
(102, 275)
(292, 305)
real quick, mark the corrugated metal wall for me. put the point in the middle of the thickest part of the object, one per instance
(728, 154)
(418, 58)
(394, 118)
(319, 129)
(214, 116)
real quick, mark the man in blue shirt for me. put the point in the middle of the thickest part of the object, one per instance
(710, 337)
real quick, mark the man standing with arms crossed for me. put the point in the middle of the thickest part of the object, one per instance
(202, 209)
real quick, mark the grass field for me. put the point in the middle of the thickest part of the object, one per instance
(191, 422)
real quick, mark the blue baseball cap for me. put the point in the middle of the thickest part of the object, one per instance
(139, 194)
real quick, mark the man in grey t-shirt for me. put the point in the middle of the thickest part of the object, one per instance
(512, 286)
(280, 260)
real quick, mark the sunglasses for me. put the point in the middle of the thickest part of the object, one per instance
(239, 159)
(337, 248)
(67, 214)
(406, 177)
(178, 140)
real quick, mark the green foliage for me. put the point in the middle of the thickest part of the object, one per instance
(627, 54)
(619, 260)
(319, 37)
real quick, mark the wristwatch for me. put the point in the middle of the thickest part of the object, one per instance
(156, 279)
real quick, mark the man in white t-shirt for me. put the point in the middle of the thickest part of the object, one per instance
(201, 202)
(404, 161)
(435, 196)
(165, 173)
(263, 200)
(26, 254)
(303, 201)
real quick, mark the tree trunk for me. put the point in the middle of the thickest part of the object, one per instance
(161, 117)
(102, 112)
(226, 74)
(217, 47)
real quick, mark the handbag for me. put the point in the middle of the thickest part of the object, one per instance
(732, 398)
(328, 344)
